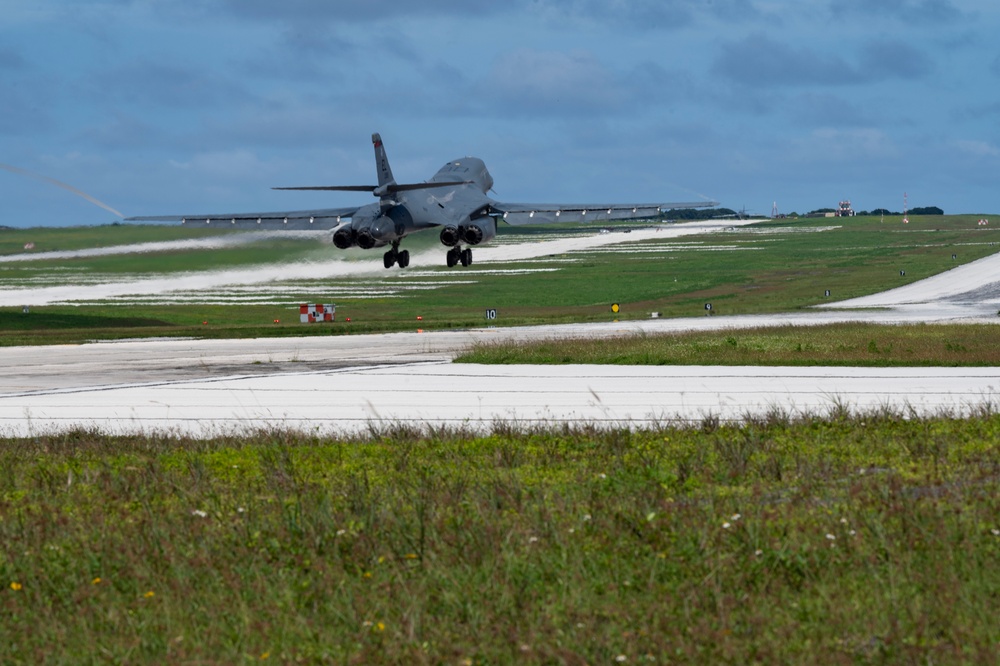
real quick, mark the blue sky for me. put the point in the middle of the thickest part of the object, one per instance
(200, 106)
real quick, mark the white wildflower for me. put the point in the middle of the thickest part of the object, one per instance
(726, 526)
(199, 513)
(735, 517)
(831, 537)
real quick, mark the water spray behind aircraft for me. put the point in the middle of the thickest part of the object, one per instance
(57, 183)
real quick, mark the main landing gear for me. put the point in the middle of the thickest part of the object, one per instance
(395, 256)
(457, 254)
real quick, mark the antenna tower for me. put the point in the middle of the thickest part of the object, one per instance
(774, 210)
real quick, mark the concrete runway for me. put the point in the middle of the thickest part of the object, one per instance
(358, 382)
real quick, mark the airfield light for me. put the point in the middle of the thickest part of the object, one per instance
(419, 318)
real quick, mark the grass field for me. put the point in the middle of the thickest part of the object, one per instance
(828, 539)
(777, 266)
(836, 345)
(843, 539)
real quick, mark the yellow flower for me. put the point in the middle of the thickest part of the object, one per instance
(15, 586)
(410, 556)
(96, 581)
(367, 574)
(149, 594)
(265, 655)
(380, 626)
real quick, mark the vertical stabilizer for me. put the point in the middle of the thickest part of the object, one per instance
(381, 162)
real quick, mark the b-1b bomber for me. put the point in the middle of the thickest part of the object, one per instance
(455, 200)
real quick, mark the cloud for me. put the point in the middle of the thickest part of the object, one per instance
(838, 145)
(552, 81)
(171, 85)
(354, 11)
(893, 60)
(11, 61)
(759, 60)
(934, 12)
(827, 110)
(650, 14)
(977, 148)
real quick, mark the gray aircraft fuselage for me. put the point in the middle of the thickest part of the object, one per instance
(461, 210)
(454, 200)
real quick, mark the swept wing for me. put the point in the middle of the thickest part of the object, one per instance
(519, 213)
(323, 218)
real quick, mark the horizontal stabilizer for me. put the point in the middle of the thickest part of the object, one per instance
(392, 187)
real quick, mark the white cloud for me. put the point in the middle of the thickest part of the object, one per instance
(977, 148)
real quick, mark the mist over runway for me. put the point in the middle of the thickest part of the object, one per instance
(360, 264)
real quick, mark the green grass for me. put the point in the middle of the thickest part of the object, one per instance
(836, 345)
(843, 539)
(776, 266)
(12, 241)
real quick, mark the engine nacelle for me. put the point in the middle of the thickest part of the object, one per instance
(450, 236)
(345, 238)
(479, 230)
(365, 239)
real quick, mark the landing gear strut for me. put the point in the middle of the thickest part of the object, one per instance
(457, 254)
(395, 256)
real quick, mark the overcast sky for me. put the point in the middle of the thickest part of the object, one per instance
(200, 106)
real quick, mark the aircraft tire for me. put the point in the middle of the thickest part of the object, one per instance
(403, 258)
(452, 257)
(389, 258)
(467, 257)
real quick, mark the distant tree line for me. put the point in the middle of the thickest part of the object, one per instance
(716, 213)
(927, 210)
(699, 213)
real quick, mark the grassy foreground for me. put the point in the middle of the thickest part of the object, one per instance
(869, 345)
(842, 539)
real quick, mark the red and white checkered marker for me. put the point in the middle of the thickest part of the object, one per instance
(310, 314)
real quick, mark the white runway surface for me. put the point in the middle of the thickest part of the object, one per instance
(351, 383)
